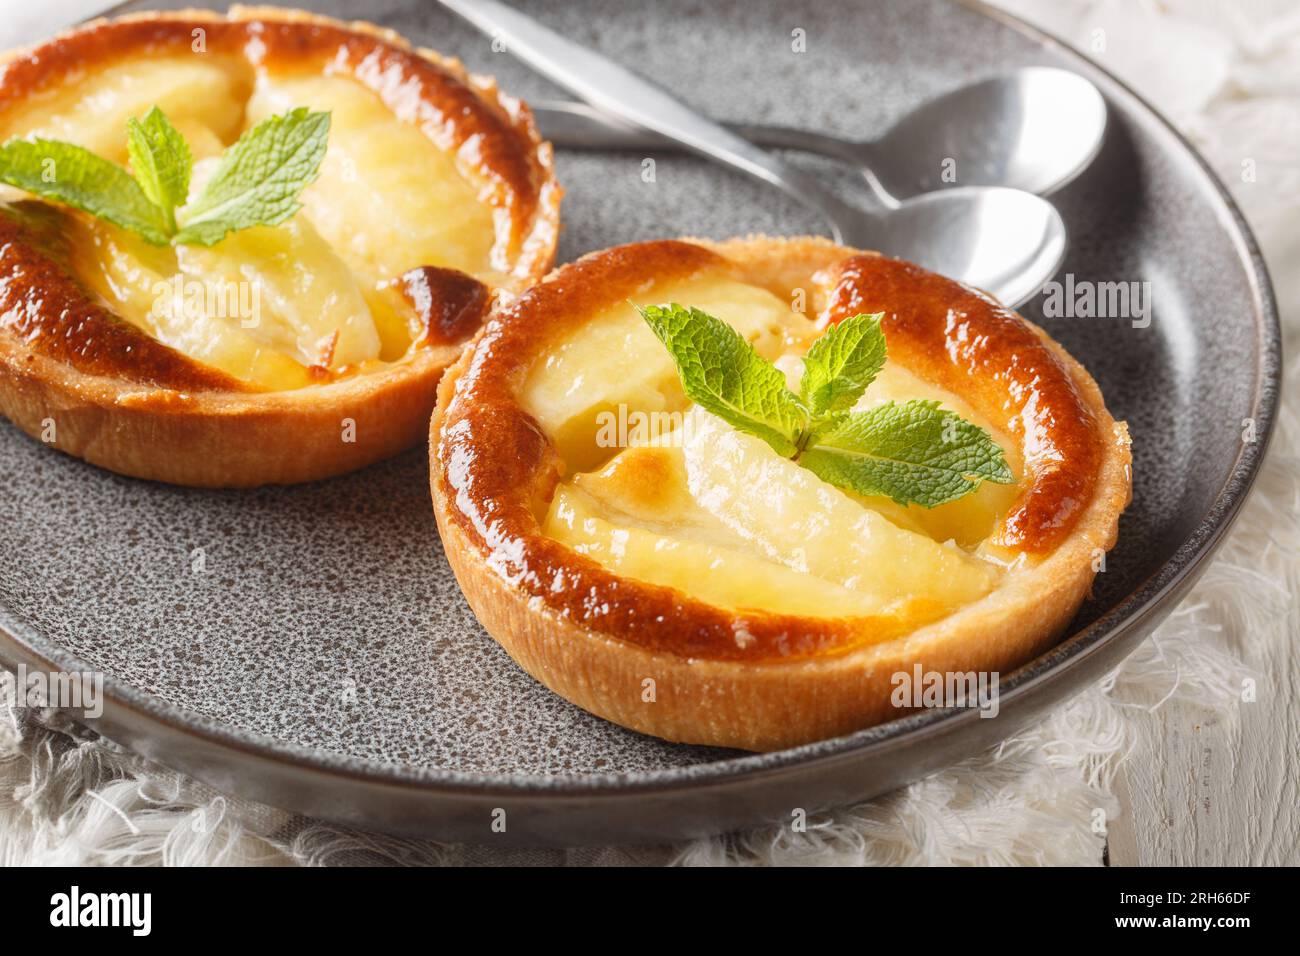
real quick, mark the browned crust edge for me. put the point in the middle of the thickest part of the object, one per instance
(214, 438)
(775, 703)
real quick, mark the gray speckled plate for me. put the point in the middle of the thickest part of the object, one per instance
(308, 646)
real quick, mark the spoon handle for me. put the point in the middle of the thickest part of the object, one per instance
(579, 126)
(622, 94)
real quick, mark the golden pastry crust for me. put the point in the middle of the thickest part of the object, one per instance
(111, 394)
(595, 637)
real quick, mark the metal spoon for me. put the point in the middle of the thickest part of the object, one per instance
(1034, 129)
(1004, 241)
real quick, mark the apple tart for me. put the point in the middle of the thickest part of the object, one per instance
(691, 581)
(283, 352)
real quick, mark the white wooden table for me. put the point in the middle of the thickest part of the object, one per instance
(1200, 789)
(1195, 792)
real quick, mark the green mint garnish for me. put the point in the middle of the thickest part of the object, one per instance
(256, 183)
(259, 178)
(723, 374)
(913, 453)
(77, 177)
(842, 363)
(161, 160)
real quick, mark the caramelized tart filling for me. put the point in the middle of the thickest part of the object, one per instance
(656, 489)
(397, 241)
(528, 478)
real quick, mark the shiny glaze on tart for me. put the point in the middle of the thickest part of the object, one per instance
(713, 562)
(435, 195)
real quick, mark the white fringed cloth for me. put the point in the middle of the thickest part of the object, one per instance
(1228, 74)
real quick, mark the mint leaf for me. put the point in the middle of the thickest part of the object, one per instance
(842, 363)
(259, 178)
(77, 177)
(256, 183)
(161, 161)
(723, 374)
(913, 452)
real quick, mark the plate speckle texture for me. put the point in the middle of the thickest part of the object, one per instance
(325, 616)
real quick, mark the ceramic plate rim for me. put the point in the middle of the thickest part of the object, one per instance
(18, 639)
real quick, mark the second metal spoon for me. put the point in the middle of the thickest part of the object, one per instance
(1034, 129)
(1004, 241)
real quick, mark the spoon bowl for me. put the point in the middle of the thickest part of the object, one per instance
(1033, 129)
(1005, 242)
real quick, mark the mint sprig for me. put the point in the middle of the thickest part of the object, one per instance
(842, 363)
(256, 183)
(77, 177)
(259, 178)
(161, 161)
(914, 452)
(723, 374)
